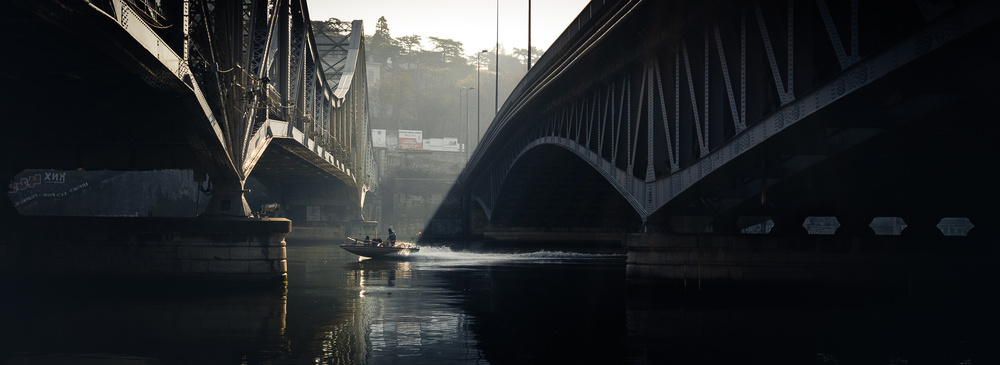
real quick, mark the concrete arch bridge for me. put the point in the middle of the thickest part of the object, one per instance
(693, 121)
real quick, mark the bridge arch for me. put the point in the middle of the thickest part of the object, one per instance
(748, 111)
(561, 183)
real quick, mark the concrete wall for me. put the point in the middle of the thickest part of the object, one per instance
(250, 251)
(167, 193)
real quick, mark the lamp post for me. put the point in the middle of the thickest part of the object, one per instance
(496, 86)
(468, 106)
(529, 35)
(460, 109)
(478, 68)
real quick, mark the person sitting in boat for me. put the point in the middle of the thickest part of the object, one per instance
(368, 240)
(392, 238)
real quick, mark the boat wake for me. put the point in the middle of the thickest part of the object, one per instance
(444, 256)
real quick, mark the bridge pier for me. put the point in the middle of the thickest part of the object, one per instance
(228, 198)
(231, 251)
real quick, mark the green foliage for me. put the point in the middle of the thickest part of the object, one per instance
(410, 43)
(422, 89)
(380, 46)
(522, 54)
(452, 50)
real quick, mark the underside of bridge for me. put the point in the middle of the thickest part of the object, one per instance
(551, 187)
(691, 113)
(319, 203)
(916, 143)
(83, 89)
(67, 104)
(220, 88)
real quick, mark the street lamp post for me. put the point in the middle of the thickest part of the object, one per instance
(478, 68)
(468, 106)
(529, 35)
(460, 110)
(496, 87)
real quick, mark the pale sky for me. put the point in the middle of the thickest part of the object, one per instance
(472, 22)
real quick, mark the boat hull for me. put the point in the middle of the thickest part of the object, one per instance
(375, 251)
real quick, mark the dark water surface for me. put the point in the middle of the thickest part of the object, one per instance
(443, 307)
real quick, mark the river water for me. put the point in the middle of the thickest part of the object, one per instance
(439, 306)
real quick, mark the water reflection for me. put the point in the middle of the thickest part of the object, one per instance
(65, 324)
(445, 307)
(385, 314)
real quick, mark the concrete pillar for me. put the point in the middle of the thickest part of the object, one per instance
(228, 199)
(855, 225)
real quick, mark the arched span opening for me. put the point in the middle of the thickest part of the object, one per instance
(550, 187)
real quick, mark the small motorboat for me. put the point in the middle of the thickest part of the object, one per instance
(372, 248)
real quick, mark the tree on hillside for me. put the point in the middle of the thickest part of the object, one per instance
(450, 49)
(331, 26)
(512, 69)
(522, 54)
(410, 43)
(422, 89)
(399, 97)
(380, 47)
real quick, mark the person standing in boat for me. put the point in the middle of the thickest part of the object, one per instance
(392, 238)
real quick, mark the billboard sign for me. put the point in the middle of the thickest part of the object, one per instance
(411, 140)
(441, 144)
(378, 138)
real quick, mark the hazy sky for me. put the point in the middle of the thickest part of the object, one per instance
(472, 22)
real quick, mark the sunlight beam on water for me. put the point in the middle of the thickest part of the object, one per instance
(439, 256)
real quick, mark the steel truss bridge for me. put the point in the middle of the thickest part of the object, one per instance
(231, 88)
(685, 116)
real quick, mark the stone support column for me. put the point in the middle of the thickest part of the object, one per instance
(228, 199)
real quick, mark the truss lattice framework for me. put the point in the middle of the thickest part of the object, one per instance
(261, 62)
(675, 113)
